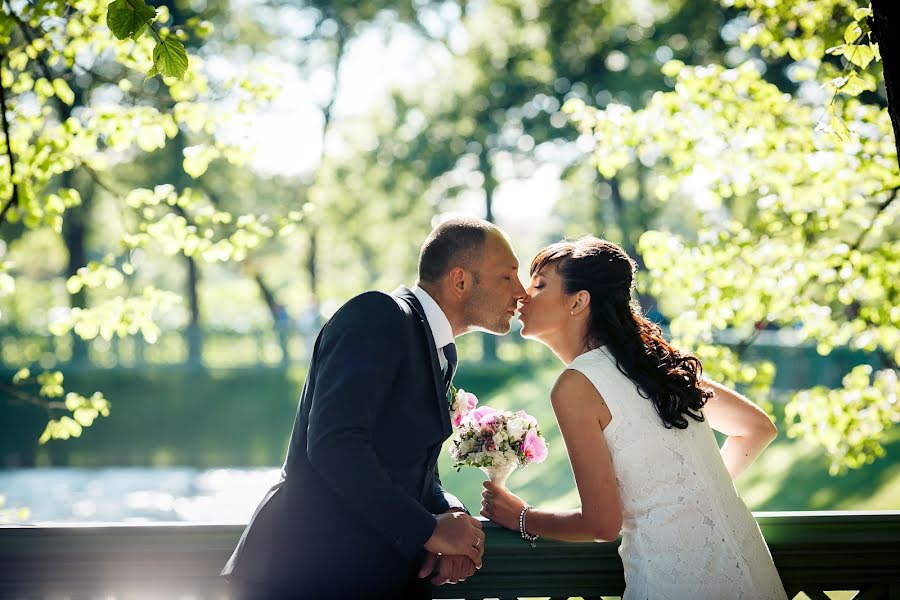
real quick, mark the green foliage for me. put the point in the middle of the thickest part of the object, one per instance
(56, 57)
(849, 422)
(811, 32)
(165, 416)
(119, 316)
(778, 203)
(169, 57)
(83, 410)
(129, 18)
(798, 226)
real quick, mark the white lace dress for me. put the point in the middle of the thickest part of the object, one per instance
(686, 534)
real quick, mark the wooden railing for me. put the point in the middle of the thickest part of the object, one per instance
(814, 553)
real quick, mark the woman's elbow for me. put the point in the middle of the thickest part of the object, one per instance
(607, 530)
(767, 430)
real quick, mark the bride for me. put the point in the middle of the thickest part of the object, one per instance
(637, 419)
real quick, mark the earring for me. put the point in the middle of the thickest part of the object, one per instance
(572, 313)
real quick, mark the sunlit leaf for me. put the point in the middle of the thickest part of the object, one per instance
(129, 18)
(169, 57)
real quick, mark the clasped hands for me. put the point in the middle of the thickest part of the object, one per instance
(455, 548)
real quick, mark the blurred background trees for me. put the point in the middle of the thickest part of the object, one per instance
(169, 247)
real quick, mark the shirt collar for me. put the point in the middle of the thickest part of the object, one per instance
(441, 330)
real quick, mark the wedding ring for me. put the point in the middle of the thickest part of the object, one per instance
(477, 543)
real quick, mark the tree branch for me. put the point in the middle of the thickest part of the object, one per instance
(881, 208)
(96, 177)
(38, 401)
(14, 198)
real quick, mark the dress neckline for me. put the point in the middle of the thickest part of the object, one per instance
(600, 350)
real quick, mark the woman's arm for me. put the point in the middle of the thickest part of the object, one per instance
(582, 415)
(748, 427)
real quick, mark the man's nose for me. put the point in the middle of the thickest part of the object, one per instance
(520, 293)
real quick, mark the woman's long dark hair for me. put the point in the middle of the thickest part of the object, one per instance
(668, 378)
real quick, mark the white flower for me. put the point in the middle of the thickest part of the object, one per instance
(516, 428)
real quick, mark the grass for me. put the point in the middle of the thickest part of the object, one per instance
(790, 474)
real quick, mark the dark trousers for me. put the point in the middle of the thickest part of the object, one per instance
(416, 589)
(243, 590)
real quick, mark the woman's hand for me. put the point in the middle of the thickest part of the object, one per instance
(501, 506)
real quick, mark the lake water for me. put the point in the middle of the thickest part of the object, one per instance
(136, 494)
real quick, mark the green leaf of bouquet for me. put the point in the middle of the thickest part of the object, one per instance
(170, 58)
(128, 18)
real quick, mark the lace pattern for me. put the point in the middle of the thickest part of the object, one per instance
(686, 533)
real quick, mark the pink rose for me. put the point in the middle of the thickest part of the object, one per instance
(534, 447)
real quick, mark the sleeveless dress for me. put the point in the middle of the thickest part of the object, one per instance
(686, 534)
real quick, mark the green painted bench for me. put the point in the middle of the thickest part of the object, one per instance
(814, 553)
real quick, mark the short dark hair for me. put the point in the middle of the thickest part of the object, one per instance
(454, 243)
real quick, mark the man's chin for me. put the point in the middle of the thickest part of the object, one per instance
(496, 329)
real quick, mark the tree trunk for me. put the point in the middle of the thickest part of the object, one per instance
(488, 341)
(343, 36)
(886, 18)
(194, 332)
(280, 321)
(74, 234)
(312, 270)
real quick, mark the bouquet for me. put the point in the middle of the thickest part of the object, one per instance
(496, 441)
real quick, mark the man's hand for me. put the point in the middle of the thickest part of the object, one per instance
(451, 569)
(457, 533)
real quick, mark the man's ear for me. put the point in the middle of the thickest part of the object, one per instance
(459, 281)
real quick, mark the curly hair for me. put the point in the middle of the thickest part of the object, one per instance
(664, 375)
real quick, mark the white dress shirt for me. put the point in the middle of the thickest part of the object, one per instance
(437, 320)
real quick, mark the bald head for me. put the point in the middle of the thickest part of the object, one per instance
(454, 243)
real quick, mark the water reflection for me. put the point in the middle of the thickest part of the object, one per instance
(68, 495)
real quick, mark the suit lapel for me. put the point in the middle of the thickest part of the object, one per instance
(407, 296)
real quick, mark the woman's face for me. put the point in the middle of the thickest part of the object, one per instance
(547, 307)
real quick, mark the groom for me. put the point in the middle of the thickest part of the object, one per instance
(359, 511)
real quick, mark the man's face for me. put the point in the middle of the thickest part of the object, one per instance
(495, 297)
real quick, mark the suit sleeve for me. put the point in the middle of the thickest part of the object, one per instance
(360, 356)
(441, 499)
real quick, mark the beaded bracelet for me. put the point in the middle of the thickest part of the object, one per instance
(525, 535)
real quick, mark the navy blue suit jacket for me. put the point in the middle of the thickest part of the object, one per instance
(360, 487)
